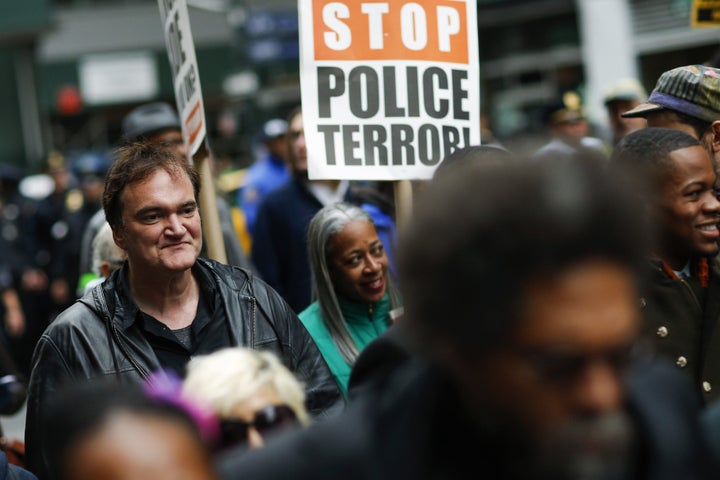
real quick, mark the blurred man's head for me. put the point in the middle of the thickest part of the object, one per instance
(676, 176)
(155, 122)
(116, 432)
(622, 96)
(58, 170)
(106, 256)
(533, 310)
(687, 99)
(297, 151)
(273, 136)
(90, 168)
(565, 118)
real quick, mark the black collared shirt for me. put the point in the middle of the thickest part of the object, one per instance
(209, 331)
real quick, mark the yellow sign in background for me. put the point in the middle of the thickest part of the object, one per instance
(705, 13)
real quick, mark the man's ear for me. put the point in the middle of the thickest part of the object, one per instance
(105, 269)
(715, 126)
(118, 238)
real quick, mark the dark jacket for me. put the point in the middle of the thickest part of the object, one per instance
(88, 340)
(379, 360)
(279, 249)
(682, 323)
(418, 429)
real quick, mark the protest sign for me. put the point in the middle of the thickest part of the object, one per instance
(388, 88)
(189, 102)
(186, 79)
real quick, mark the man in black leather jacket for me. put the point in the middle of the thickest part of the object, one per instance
(165, 304)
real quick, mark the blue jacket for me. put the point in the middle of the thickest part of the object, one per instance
(13, 472)
(262, 177)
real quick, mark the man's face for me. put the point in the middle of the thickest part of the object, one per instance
(298, 152)
(563, 364)
(688, 208)
(278, 146)
(92, 188)
(160, 229)
(668, 119)
(623, 126)
(161, 449)
(172, 138)
(571, 132)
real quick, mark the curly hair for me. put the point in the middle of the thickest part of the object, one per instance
(483, 231)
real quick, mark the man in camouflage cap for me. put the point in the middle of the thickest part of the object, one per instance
(686, 98)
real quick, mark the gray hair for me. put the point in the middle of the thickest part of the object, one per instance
(327, 223)
(104, 249)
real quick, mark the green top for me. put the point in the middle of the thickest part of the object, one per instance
(365, 322)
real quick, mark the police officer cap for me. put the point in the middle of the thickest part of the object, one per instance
(148, 119)
(273, 128)
(90, 163)
(564, 109)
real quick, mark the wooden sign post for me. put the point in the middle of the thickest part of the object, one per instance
(189, 102)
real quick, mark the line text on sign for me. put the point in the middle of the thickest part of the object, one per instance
(432, 31)
(438, 91)
(372, 144)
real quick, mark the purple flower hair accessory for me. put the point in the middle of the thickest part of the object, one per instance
(165, 386)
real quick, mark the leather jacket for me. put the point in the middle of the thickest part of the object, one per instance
(91, 340)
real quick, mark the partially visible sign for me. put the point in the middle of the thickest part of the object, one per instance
(118, 78)
(271, 36)
(705, 13)
(388, 88)
(186, 78)
(188, 97)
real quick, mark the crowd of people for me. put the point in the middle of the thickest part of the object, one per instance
(544, 316)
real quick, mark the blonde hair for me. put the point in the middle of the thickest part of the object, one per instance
(230, 376)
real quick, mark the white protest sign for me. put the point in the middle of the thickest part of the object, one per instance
(388, 88)
(186, 79)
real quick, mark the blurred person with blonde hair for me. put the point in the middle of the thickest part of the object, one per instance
(251, 391)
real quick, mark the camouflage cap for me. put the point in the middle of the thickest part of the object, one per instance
(692, 89)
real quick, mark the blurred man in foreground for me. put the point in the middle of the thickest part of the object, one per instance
(525, 323)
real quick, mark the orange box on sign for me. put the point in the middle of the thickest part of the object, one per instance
(430, 30)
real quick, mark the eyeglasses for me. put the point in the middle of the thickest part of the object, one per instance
(273, 417)
(564, 368)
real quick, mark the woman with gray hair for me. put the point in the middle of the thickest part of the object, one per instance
(354, 301)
